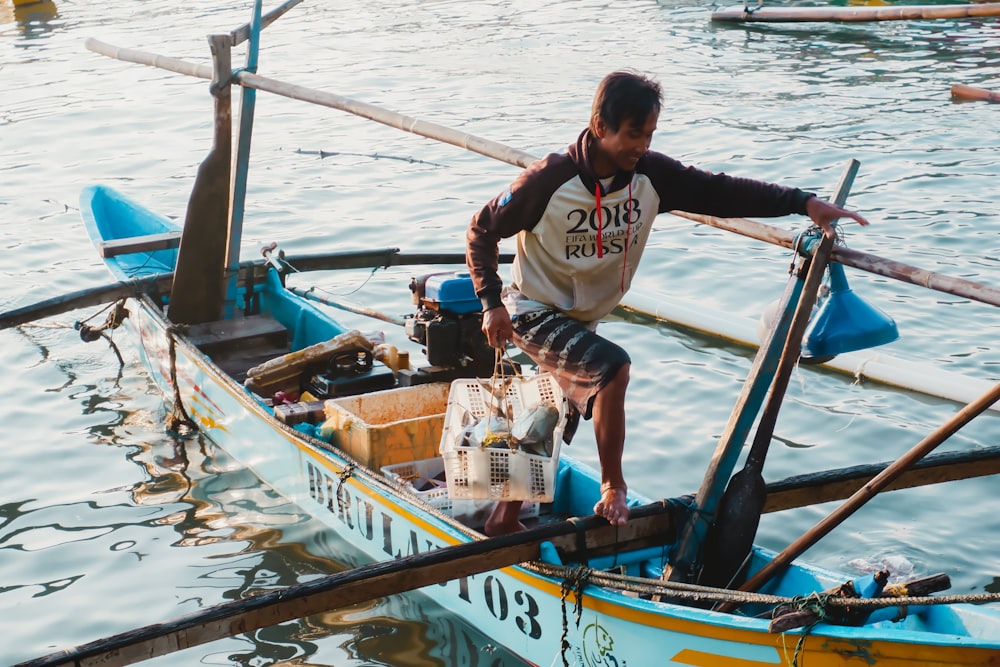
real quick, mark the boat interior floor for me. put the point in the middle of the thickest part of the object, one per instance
(238, 345)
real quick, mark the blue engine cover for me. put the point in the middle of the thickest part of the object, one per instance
(452, 292)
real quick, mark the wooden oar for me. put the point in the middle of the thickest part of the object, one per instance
(649, 525)
(869, 491)
(686, 559)
(731, 537)
(198, 292)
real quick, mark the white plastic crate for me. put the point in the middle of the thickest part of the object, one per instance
(499, 473)
(472, 513)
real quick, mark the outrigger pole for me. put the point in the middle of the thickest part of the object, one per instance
(752, 229)
(882, 368)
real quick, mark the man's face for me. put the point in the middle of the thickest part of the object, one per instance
(623, 148)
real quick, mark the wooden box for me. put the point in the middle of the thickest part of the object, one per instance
(391, 426)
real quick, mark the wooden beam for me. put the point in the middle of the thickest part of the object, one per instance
(101, 294)
(649, 523)
(92, 296)
(830, 485)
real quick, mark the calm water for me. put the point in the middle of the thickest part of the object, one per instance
(106, 523)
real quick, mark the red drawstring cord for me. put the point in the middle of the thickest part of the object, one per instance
(600, 222)
(628, 229)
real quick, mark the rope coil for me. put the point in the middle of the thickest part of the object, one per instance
(343, 476)
(574, 581)
(179, 416)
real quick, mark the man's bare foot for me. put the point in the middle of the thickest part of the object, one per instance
(613, 504)
(503, 520)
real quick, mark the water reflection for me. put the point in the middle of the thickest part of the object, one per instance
(178, 527)
(279, 546)
(29, 19)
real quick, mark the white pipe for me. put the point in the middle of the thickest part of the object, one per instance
(870, 364)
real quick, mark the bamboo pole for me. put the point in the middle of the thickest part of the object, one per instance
(742, 14)
(857, 259)
(391, 118)
(370, 111)
(138, 57)
(964, 92)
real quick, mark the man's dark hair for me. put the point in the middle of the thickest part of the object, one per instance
(623, 96)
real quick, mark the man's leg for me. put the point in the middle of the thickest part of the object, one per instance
(504, 520)
(609, 430)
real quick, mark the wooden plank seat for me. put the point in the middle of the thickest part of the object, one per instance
(240, 344)
(239, 333)
(144, 243)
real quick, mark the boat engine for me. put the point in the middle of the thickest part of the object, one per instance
(448, 323)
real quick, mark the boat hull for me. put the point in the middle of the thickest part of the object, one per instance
(523, 608)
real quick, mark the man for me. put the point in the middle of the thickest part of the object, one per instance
(582, 219)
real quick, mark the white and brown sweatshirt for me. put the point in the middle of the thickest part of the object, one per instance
(579, 240)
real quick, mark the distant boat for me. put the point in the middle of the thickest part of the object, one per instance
(25, 12)
(964, 92)
(761, 14)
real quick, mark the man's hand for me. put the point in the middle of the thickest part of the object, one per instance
(497, 327)
(825, 213)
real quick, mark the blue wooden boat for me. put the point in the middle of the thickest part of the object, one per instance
(519, 606)
(354, 451)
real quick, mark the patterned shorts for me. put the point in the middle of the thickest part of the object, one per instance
(582, 362)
